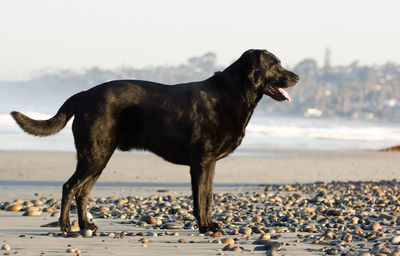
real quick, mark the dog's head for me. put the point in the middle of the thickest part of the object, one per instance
(267, 75)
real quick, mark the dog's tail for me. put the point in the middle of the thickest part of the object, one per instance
(50, 126)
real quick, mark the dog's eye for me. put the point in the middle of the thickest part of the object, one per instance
(274, 66)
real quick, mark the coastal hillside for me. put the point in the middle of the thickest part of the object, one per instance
(353, 91)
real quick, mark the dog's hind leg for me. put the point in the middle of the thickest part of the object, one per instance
(81, 198)
(94, 148)
(69, 189)
(80, 185)
(202, 176)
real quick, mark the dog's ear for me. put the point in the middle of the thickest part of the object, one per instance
(249, 66)
(251, 59)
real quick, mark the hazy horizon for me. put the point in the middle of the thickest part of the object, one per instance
(46, 34)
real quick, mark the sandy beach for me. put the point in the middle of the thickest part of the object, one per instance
(40, 175)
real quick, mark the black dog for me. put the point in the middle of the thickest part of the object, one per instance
(192, 124)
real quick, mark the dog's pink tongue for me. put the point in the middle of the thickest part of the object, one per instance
(285, 94)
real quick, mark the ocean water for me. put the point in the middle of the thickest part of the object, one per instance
(262, 133)
(311, 133)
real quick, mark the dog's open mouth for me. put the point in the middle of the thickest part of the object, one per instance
(279, 94)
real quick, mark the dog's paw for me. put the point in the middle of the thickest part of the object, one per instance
(203, 229)
(211, 227)
(88, 225)
(214, 227)
(64, 226)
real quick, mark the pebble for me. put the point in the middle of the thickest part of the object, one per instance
(236, 249)
(395, 240)
(163, 190)
(73, 250)
(5, 247)
(47, 209)
(19, 201)
(73, 229)
(329, 234)
(51, 234)
(257, 219)
(142, 223)
(32, 213)
(267, 245)
(354, 220)
(181, 241)
(348, 238)
(14, 208)
(31, 208)
(257, 230)
(148, 219)
(37, 202)
(227, 240)
(172, 225)
(153, 234)
(87, 233)
(216, 234)
(143, 240)
(333, 212)
(245, 230)
(332, 251)
(270, 231)
(227, 247)
(265, 236)
(375, 226)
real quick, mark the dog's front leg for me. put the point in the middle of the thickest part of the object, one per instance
(202, 176)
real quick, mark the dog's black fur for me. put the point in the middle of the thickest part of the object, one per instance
(191, 124)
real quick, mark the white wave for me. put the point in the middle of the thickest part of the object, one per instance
(330, 130)
(260, 133)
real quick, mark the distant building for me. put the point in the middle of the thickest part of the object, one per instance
(327, 60)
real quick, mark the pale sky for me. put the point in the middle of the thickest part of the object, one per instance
(78, 34)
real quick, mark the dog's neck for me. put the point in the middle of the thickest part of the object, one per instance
(243, 81)
(239, 91)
